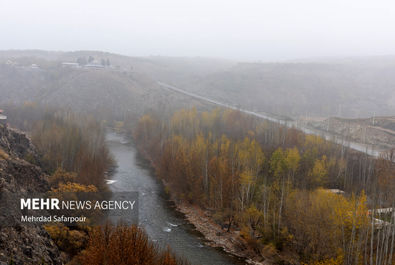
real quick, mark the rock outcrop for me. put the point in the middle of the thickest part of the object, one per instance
(21, 243)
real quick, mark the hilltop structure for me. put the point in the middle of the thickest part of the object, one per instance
(3, 118)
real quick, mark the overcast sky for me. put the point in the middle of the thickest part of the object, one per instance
(245, 29)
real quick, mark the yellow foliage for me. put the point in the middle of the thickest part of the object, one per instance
(119, 125)
(61, 176)
(3, 154)
(351, 212)
(313, 140)
(278, 163)
(321, 220)
(245, 232)
(292, 159)
(74, 187)
(115, 245)
(332, 261)
(319, 172)
(251, 155)
(208, 119)
(185, 121)
(253, 218)
(246, 178)
(71, 241)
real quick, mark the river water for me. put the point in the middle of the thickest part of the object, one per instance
(163, 224)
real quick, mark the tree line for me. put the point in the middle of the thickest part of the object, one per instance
(73, 152)
(65, 140)
(278, 186)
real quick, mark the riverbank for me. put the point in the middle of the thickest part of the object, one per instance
(164, 225)
(215, 236)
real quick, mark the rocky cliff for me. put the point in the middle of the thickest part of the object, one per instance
(19, 243)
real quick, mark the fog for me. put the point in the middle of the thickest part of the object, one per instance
(249, 30)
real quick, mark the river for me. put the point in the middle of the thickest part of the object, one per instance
(157, 214)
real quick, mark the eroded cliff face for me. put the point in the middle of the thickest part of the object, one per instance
(21, 243)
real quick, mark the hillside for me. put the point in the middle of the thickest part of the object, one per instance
(374, 130)
(351, 87)
(80, 90)
(18, 243)
(313, 89)
(117, 92)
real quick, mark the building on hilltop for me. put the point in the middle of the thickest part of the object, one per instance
(3, 118)
(71, 65)
(94, 66)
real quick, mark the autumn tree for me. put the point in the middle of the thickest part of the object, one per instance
(274, 183)
(124, 245)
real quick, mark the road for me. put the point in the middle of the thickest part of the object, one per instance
(365, 148)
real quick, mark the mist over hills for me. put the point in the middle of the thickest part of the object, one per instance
(120, 90)
(80, 90)
(210, 146)
(349, 87)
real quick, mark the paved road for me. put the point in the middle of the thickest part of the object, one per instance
(365, 148)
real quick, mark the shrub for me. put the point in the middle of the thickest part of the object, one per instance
(124, 245)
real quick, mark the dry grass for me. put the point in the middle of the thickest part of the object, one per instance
(3, 155)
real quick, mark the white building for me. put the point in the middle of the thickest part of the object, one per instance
(3, 118)
(70, 64)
